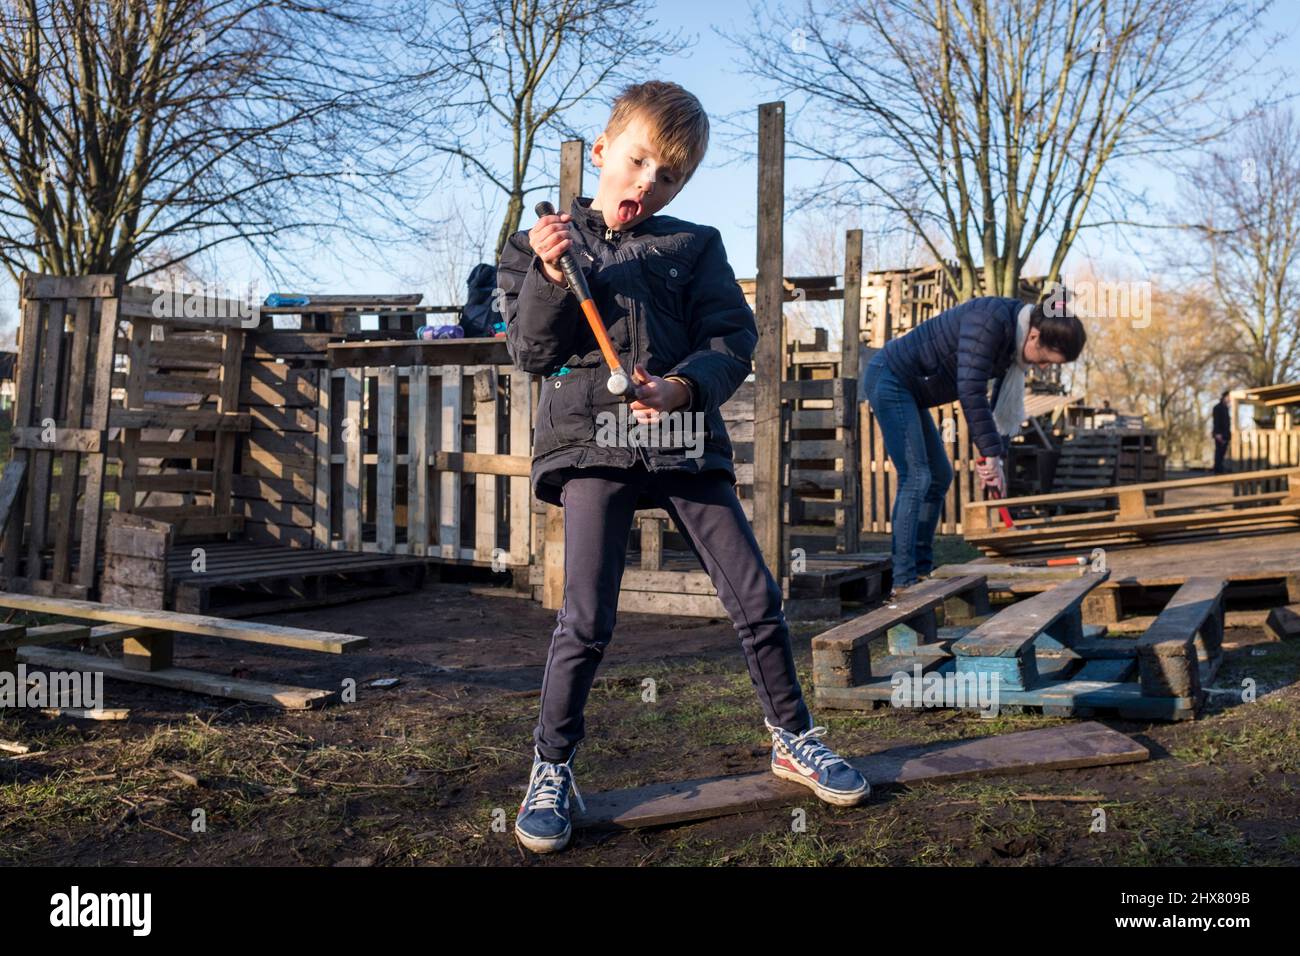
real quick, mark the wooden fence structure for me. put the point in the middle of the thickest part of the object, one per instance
(120, 404)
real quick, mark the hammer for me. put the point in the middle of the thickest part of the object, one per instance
(619, 382)
(993, 493)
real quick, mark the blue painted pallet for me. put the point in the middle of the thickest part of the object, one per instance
(1069, 688)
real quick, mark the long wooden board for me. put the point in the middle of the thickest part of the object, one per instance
(197, 624)
(1068, 747)
(179, 678)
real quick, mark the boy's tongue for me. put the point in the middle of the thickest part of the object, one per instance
(628, 209)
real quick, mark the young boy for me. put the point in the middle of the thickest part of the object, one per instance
(675, 313)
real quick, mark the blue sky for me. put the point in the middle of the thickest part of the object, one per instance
(723, 191)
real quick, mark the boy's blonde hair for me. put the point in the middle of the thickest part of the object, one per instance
(677, 123)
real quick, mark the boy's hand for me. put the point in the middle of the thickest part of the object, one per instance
(655, 395)
(551, 238)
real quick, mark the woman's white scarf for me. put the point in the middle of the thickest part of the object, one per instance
(1009, 412)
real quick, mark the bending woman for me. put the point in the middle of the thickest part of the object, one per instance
(953, 357)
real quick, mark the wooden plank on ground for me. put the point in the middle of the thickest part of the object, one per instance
(197, 624)
(1068, 747)
(179, 678)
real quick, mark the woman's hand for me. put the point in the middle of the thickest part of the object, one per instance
(990, 472)
(655, 395)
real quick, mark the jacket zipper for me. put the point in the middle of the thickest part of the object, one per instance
(614, 238)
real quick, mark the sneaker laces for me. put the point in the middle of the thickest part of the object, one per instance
(809, 748)
(547, 785)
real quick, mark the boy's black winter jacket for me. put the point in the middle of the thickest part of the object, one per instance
(670, 302)
(953, 356)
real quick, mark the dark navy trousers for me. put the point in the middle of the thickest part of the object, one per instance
(599, 504)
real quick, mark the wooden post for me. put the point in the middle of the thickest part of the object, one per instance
(352, 436)
(386, 468)
(41, 474)
(321, 523)
(485, 443)
(851, 514)
(449, 481)
(553, 566)
(93, 497)
(419, 488)
(768, 309)
(572, 154)
(852, 304)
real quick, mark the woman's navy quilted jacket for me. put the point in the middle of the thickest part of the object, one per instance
(953, 356)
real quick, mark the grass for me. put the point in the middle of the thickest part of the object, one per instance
(402, 780)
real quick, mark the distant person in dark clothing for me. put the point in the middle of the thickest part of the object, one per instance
(478, 316)
(1222, 433)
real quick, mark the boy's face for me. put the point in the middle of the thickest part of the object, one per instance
(634, 182)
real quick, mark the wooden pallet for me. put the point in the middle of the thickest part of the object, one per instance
(240, 579)
(678, 585)
(1250, 502)
(1089, 459)
(1045, 658)
(96, 359)
(64, 375)
(841, 656)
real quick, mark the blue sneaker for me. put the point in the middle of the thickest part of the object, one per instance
(804, 759)
(543, 822)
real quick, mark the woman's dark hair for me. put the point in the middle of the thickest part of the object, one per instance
(1059, 329)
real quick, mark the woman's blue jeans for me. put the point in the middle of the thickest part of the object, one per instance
(921, 469)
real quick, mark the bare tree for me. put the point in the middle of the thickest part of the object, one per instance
(1168, 368)
(991, 126)
(500, 76)
(1250, 194)
(180, 125)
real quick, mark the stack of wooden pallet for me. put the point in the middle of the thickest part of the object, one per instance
(1089, 459)
(1245, 502)
(1100, 457)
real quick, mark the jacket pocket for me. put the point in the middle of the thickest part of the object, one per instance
(667, 278)
(566, 411)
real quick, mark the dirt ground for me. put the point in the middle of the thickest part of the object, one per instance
(431, 770)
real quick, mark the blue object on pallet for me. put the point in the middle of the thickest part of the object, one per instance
(280, 300)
